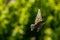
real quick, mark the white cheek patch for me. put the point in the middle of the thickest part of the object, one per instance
(32, 27)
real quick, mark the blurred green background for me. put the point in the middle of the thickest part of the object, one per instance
(16, 16)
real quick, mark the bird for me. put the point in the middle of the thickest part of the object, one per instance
(38, 22)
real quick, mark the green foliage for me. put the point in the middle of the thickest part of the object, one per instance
(16, 16)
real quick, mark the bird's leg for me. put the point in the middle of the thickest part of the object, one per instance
(38, 29)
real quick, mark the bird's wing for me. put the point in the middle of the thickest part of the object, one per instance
(38, 17)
